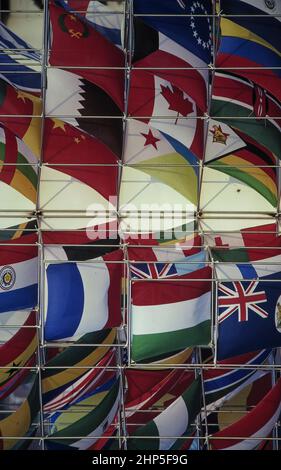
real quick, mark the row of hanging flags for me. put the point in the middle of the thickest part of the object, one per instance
(175, 144)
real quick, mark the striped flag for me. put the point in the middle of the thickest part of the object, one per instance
(151, 97)
(18, 274)
(233, 100)
(17, 351)
(81, 430)
(170, 315)
(14, 51)
(220, 382)
(150, 391)
(18, 165)
(174, 422)
(258, 423)
(70, 35)
(73, 308)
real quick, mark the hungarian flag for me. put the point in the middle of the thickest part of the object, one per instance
(247, 46)
(72, 363)
(238, 155)
(176, 420)
(75, 153)
(152, 97)
(72, 307)
(17, 424)
(234, 102)
(170, 314)
(21, 115)
(88, 425)
(84, 105)
(18, 165)
(221, 383)
(18, 274)
(258, 424)
(71, 34)
(18, 350)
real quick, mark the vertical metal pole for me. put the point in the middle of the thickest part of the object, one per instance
(204, 402)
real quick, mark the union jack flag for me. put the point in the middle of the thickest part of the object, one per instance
(152, 270)
(241, 299)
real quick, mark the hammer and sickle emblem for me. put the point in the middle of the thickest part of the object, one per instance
(75, 34)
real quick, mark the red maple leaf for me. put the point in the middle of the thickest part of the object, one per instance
(177, 101)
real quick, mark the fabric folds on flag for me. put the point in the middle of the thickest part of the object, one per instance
(86, 106)
(100, 16)
(258, 423)
(170, 315)
(18, 274)
(72, 307)
(18, 164)
(89, 160)
(219, 383)
(14, 49)
(21, 115)
(90, 425)
(249, 301)
(17, 352)
(192, 33)
(249, 46)
(175, 420)
(62, 371)
(71, 35)
(19, 423)
(235, 99)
